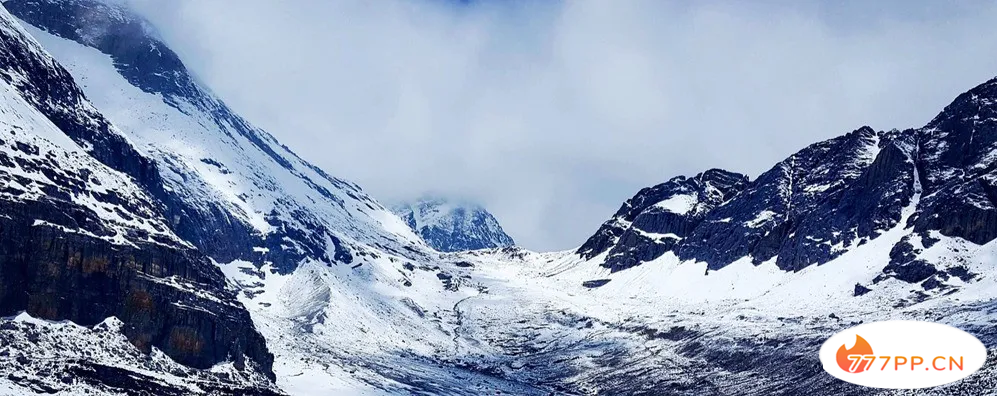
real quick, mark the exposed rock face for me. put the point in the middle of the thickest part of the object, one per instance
(451, 226)
(82, 234)
(289, 227)
(144, 61)
(869, 205)
(759, 220)
(44, 357)
(167, 297)
(957, 158)
(49, 88)
(656, 219)
(831, 197)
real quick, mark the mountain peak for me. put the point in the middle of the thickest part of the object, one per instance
(654, 220)
(140, 56)
(451, 225)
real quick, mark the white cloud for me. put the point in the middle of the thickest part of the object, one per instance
(553, 113)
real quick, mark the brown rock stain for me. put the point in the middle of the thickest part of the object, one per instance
(43, 306)
(186, 340)
(139, 301)
(95, 264)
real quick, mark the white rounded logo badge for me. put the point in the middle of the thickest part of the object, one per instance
(902, 354)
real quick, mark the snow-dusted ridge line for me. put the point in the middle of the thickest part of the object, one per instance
(452, 225)
(365, 307)
(237, 177)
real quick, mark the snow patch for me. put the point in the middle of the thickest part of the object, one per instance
(678, 204)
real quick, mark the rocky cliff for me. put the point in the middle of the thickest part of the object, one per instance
(83, 233)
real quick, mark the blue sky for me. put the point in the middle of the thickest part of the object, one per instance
(552, 113)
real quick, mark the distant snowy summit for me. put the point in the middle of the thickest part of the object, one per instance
(451, 225)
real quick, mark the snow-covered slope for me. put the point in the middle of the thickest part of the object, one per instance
(347, 295)
(240, 191)
(452, 226)
(40, 162)
(84, 238)
(712, 284)
(40, 356)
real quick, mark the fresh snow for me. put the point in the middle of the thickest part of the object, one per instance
(679, 204)
(405, 319)
(22, 124)
(762, 218)
(209, 161)
(49, 346)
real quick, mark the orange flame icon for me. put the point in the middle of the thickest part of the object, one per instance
(850, 360)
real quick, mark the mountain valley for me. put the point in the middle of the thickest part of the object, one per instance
(154, 242)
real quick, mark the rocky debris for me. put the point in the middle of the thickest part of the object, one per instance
(592, 284)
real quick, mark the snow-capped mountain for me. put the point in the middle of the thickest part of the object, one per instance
(234, 191)
(155, 242)
(451, 225)
(85, 238)
(318, 263)
(833, 196)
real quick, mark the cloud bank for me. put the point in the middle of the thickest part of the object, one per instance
(552, 113)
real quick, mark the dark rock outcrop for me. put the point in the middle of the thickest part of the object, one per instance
(82, 242)
(48, 87)
(170, 298)
(866, 207)
(657, 218)
(759, 221)
(592, 284)
(831, 197)
(958, 167)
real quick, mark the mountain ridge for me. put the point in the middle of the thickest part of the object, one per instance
(85, 239)
(162, 105)
(843, 192)
(250, 271)
(451, 226)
